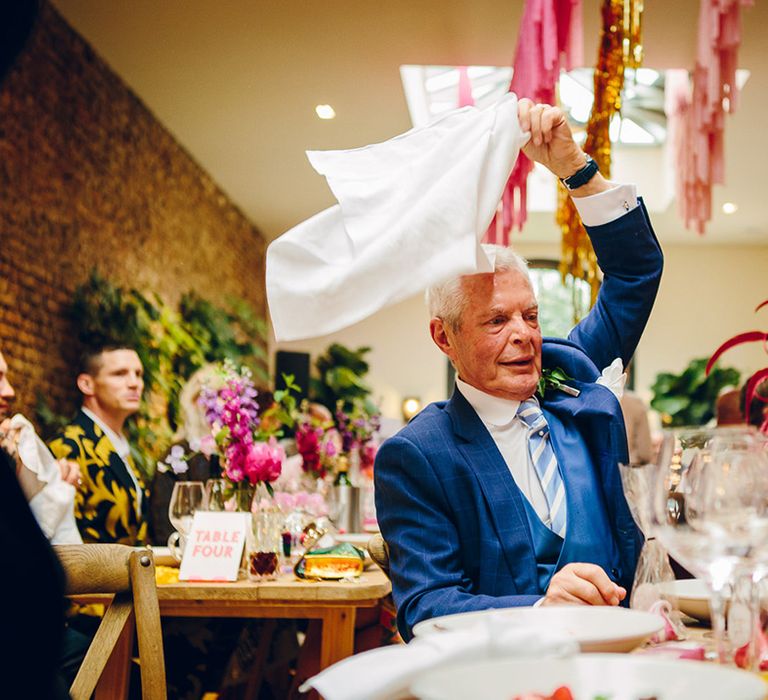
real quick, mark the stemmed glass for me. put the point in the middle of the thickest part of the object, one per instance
(709, 508)
(186, 499)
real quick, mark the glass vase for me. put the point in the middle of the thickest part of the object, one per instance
(265, 537)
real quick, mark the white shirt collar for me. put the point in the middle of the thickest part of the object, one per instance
(119, 442)
(491, 409)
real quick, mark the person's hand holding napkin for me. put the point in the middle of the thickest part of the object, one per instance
(386, 673)
(411, 212)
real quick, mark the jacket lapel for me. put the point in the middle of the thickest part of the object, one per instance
(502, 496)
(112, 459)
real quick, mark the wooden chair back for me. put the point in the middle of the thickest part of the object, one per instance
(129, 574)
(379, 552)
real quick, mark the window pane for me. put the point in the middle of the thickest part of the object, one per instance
(560, 305)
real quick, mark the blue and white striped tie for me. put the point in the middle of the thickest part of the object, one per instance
(545, 463)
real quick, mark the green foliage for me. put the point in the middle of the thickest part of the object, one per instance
(341, 378)
(285, 408)
(236, 333)
(171, 344)
(551, 379)
(689, 398)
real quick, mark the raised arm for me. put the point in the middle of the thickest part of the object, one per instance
(617, 223)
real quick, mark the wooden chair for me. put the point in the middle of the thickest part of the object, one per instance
(129, 574)
(379, 552)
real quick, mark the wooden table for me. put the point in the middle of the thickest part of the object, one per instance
(333, 603)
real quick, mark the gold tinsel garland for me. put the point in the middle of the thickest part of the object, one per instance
(620, 47)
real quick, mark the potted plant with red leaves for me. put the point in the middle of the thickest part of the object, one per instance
(751, 390)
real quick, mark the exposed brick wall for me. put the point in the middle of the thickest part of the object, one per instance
(89, 178)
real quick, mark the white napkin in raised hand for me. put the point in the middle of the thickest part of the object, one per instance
(386, 673)
(411, 213)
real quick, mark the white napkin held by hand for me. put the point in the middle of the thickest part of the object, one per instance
(54, 506)
(411, 213)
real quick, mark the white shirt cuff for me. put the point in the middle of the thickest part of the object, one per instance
(539, 602)
(604, 207)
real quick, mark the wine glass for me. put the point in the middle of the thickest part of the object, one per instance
(186, 499)
(709, 508)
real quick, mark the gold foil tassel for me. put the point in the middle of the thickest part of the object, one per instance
(620, 47)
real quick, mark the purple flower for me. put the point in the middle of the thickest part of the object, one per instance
(177, 460)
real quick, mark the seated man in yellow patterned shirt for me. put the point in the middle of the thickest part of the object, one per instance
(111, 501)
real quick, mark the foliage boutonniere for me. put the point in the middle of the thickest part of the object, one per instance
(554, 378)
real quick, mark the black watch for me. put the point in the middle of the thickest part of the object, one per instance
(582, 176)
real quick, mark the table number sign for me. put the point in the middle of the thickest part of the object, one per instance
(214, 547)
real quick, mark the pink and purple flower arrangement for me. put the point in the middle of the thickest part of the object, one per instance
(248, 453)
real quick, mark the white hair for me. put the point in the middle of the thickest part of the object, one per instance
(447, 300)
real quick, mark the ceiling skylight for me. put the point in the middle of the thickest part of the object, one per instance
(433, 90)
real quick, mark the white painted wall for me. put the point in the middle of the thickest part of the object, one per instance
(708, 293)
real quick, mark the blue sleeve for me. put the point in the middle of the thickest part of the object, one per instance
(631, 260)
(425, 559)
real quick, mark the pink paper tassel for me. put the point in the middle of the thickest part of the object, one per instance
(696, 114)
(550, 31)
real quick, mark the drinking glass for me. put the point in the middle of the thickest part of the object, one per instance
(265, 539)
(216, 494)
(709, 508)
(186, 499)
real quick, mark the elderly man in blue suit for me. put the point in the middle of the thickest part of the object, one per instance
(501, 497)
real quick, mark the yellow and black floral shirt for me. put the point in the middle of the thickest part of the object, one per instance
(106, 507)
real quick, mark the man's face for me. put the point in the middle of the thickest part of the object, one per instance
(6, 390)
(117, 384)
(497, 346)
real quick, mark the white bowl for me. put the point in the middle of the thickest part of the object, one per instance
(595, 628)
(690, 596)
(589, 675)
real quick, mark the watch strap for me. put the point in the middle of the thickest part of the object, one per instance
(582, 176)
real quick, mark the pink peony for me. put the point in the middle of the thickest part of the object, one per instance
(264, 461)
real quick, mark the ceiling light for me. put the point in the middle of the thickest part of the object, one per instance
(729, 208)
(325, 111)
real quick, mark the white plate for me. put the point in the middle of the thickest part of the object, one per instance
(596, 629)
(690, 596)
(617, 677)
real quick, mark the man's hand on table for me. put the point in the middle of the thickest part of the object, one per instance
(582, 584)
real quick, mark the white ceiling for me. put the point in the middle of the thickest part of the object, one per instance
(236, 82)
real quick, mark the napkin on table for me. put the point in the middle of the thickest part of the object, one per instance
(386, 673)
(411, 212)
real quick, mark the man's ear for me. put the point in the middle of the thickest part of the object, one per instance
(440, 336)
(85, 384)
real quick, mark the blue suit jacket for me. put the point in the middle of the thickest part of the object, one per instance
(448, 507)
